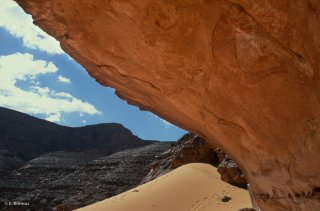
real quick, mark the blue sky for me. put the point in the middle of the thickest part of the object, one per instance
(38, 78)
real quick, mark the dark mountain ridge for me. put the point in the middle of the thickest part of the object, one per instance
(53, 167)
(49, 165)
(27, 137)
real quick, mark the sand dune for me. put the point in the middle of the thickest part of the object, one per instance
(193, 187)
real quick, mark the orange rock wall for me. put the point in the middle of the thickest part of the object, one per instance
(244, 74)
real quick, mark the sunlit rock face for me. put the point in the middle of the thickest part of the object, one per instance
(244, 74)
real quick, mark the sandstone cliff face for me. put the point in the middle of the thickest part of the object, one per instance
(243, 74)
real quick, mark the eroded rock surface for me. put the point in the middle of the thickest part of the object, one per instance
(229, 170)
(191, 148)
(188, 149)
(69, 180)
(76, 166)
(244, 74)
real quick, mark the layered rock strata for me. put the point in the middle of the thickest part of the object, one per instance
(69, 180)
(243, 74)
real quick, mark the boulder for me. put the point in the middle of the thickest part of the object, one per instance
(230, 171)
(191, 148)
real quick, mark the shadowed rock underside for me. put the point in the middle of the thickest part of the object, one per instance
(243, 74)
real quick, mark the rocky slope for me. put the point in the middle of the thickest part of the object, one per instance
(243, 74)
(75, 174)
(51, 166)
(191, 148)
(68, 180)
(188, 149)
(8, 161)
(23, 137)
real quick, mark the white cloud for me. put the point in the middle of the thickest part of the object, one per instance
(41, 91)
(54, 118)
(20, 25)
(63, 79)
(35, 99)
(63, 95)
(84, 121)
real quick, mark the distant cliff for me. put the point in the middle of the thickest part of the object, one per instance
(27, 137)
(53, 166)
(68, 180)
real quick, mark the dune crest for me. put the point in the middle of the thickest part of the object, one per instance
(192, 187)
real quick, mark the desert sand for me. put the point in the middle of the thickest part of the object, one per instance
(192, 187)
